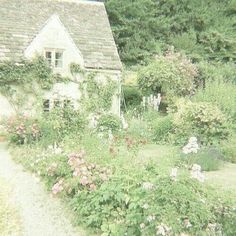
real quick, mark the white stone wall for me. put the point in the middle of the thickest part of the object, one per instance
(54, 36)
(72, 90)
(6, 108)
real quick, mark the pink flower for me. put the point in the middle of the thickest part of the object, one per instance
(58, 187)
(92, 187)
(84, 180)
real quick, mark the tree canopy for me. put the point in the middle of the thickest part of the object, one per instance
(202, 29)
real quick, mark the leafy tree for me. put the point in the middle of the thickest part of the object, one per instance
(172, 75)
(203, 29)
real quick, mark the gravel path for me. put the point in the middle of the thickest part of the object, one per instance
(41, 214)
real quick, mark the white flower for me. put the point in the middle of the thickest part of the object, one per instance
(148, 186)
(151, 218)
(187, 223)
(110, 136)
(197, 174)
(211, 227)
(191, 147)
(145, 206)
(142, 225)
(173, 174)
(163, 230)
(57, 150)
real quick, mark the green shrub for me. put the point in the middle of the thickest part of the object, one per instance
(109, 122)
(209, 159)
(171, 75)
(49, 128)
(130, 205)
(216, 71)
(162, 127)
(228, 148)
(132, 96)
(23, 130)
(202, 120)
(58, 123)
(139, 129)
(220, 93)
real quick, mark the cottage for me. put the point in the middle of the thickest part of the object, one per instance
(64, 32)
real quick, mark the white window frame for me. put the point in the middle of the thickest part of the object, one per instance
(57, 103)
(53, 60)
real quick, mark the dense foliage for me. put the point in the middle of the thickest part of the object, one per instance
(131, 97)
(108, 122)
(50, 128)
(203, 29)
(172, 75)
(12, 73)
(203, 120)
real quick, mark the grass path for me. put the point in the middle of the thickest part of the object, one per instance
(41, 214)
(224, 178)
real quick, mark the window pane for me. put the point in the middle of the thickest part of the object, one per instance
(58, 59)
(48, 56)
(58, 56)
(46, 105)
(57, 104)
(68, 104)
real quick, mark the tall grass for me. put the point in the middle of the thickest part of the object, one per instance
(220, 93)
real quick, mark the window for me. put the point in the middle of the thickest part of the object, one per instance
(54, 58)
(57, 104)
(46, 105)
(67, 104)
(48, 56)
(58, 59)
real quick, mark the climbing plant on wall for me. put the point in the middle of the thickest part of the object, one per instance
(25, 77)
(96, 93)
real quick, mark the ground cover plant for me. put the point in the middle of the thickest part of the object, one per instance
(113, 192)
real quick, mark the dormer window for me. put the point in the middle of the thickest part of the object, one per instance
(54, 58)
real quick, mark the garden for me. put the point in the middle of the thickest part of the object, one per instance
(155, 169)
(143, 173)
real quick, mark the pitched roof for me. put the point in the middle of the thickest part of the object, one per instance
(86, 22)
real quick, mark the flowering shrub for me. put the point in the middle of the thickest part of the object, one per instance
(109, 122)
(129, 205)
(58, 123)
(70, 174)
(89, 174)
(22, 129)
(191, 147)
(162, 127)
(203, 120)
(172, 75)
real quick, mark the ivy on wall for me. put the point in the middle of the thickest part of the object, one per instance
(32, 77)
(96, 95)
(26, 72)
(26, 77)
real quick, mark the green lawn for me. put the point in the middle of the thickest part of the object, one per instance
(163, 156)
(9, 218)
(224, 179)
